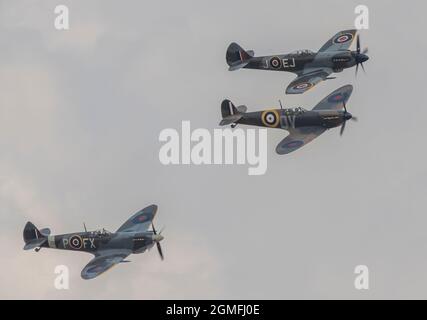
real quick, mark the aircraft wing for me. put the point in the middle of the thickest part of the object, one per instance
(140, 221)
(341, 41)
(307, 80)
(336, 99)
(298, 138)
(103, 261)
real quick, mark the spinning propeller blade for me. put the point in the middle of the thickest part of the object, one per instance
(159, 247)
(358, 44)
(347, 116)
(360, 56)
(342, 127)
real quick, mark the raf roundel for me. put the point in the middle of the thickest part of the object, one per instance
(140, 218)
(346, 37)
(275, 63)
(270, 118)
(76, 242)
(302, 86)
(336, 98)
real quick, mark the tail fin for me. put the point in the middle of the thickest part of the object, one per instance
(231, 114)
(33, 238)
(237, 57)
(228, 108)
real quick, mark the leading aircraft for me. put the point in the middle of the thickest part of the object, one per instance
(303, 125)
(310, 67)
(109, 248)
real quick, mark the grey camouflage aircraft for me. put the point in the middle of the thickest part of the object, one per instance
(310, 67)
(108, 248)
(303, 125)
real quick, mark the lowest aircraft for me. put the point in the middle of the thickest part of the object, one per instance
(310, 67)
(303, 125)
(109, 248)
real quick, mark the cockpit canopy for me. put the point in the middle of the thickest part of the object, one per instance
(294, 111)
(101, 233)
(304, 52)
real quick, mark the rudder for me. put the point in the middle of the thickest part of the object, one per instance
(237, 57)
(230, 114)
(228, 108)
(33, 238)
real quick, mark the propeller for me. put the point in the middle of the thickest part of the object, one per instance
(159, 247)
(342, 127)
(347, 116)
(360, 56)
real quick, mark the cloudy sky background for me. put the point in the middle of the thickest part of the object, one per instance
(80, 115)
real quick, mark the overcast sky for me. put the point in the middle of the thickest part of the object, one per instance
(80, 115)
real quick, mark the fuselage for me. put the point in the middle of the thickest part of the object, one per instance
(306, 60)
(294, 118)
(95, 241)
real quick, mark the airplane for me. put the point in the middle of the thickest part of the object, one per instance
(310, 67)
(303, 125)
(109, 248)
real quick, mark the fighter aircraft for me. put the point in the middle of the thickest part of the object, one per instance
(303, 125)
(108, 248)
(310, 67)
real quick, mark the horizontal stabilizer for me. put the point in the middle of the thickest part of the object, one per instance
(36, 243)
(45, 232)
(242, 108)
(237, 66)
(230, 119)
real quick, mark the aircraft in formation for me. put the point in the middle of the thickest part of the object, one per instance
(134, 236)
(109, 248)
(311, 67)
(303, 125)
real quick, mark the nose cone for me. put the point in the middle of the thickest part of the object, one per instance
(157, 237)
(347, 116)
(362, 58)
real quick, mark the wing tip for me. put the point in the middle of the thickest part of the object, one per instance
(153, 208)
(288, 147)
(345, 87)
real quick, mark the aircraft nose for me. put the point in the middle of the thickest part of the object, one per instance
(363, 57)
(347, 116)
(157, 237)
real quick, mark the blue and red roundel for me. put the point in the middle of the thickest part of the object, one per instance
(302, 85)
(346, 37)
(337, 98)
(141, 218)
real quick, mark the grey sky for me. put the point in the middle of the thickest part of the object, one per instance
(80, 115)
